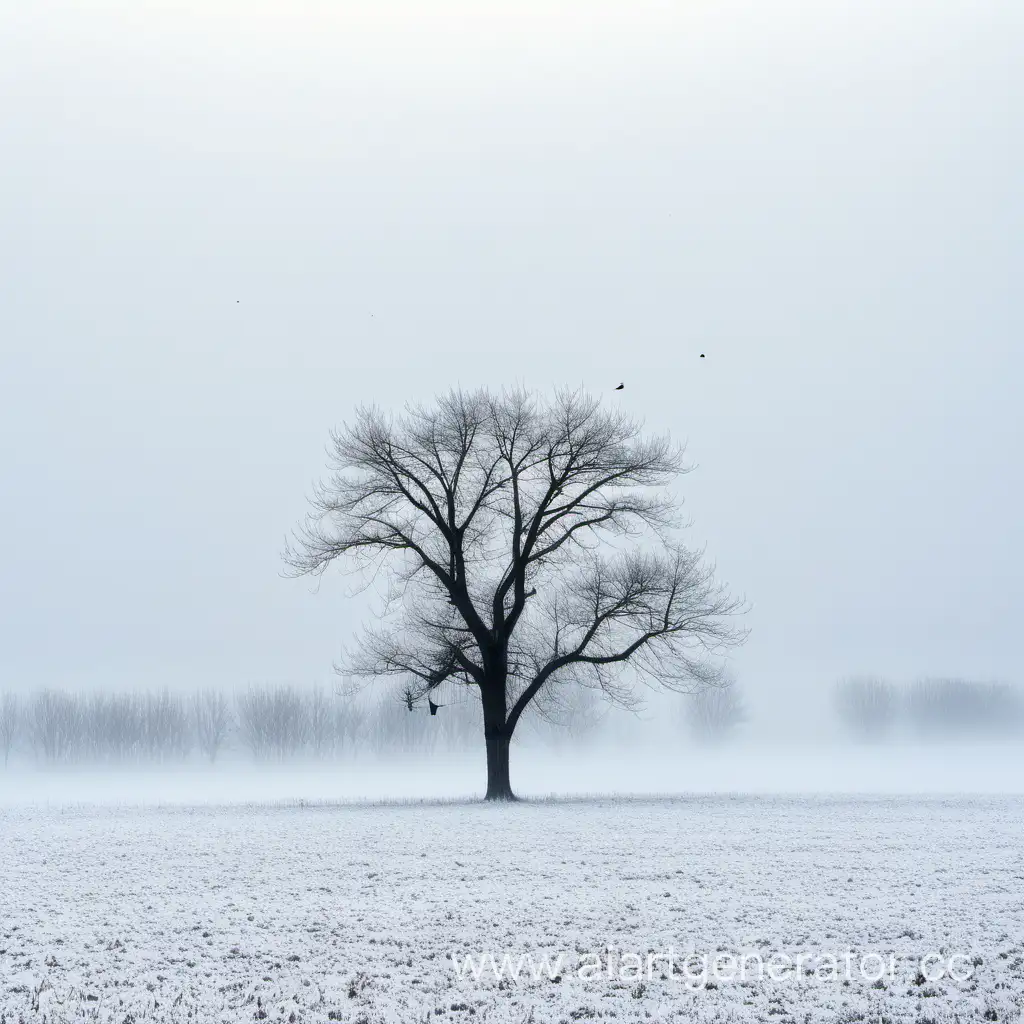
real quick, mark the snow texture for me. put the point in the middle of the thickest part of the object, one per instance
(318, 912)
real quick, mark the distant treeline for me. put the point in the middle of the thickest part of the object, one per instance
(875, 708)
(267, 722)
(261, 722)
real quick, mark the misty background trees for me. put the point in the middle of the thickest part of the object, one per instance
(10, 719)
(713, 713)
(275, 723)
(212, 720)
(260, 722)
(867, 706)
(874, 709)
(263, 723)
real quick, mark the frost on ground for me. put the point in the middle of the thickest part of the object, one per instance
(351, 913)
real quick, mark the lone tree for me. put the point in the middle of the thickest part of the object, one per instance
(529, 546)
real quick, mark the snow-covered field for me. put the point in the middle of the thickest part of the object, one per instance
(322, 912)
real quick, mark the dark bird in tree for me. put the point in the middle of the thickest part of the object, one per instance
(433, 707)
(619, 387)
(472, 503)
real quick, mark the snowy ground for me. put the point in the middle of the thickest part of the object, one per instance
(333, 912)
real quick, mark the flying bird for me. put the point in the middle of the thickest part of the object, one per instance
(620, 387)
(702, 355)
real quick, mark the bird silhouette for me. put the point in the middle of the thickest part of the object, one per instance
(620, 387)
(433, 707)
(702, 355)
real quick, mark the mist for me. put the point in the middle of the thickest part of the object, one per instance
(238, 240)
(224, 229)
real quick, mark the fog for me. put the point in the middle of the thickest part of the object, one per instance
(289, 745)
(224, 228)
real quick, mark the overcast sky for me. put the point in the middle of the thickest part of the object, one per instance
(224, 224)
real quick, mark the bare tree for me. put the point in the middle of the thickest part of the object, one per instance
(570, 716)
(867, 705)
(715, 711)
(391, 728)
(212, 720)
(55, 724)
(530, 545)
(321, 720)
(113, 726)
(460, 726)
(272, 720)
(960, 707)
(167, 726)
(10, 720)
(253, 718)
(349, 724)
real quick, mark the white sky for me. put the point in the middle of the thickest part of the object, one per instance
(222, 225)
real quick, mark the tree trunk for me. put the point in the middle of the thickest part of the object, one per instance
(498, 738)
(499, 785)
